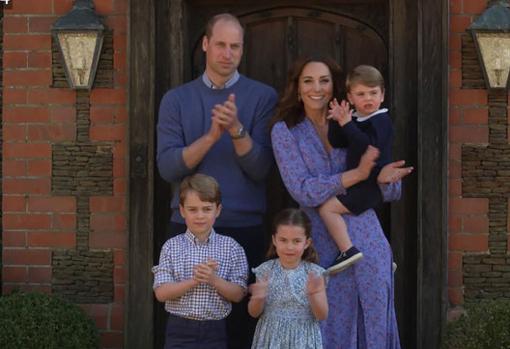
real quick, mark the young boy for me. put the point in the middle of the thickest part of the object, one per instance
(200, 272)
(371, 127)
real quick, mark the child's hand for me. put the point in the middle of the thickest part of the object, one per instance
(314, 284)
(258, 290)
(205, 273)
(340, 112)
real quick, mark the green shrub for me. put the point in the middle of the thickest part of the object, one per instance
(36, 320)
(486, 325)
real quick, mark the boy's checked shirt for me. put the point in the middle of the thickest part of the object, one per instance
(178, 257)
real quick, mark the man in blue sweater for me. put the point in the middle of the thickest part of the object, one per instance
(217, 125)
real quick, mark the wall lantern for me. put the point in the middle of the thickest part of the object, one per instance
(491, 34)
(79, 37)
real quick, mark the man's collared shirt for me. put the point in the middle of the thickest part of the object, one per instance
(229, 83)
(178, 257)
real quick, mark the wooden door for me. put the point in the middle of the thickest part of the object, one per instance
(406, 39)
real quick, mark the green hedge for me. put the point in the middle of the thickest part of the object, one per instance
(486, 325)
(37, 320)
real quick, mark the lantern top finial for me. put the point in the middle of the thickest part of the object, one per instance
(495, 18)
(81, 17)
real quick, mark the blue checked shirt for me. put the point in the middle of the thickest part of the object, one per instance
(178, 257)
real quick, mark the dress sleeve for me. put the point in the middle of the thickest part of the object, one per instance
(307, 189)
(391, 191)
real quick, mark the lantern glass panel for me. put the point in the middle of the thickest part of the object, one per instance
(78, 51)
(495, 52)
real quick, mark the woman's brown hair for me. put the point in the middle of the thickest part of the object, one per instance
(290, 108)
(294, 217)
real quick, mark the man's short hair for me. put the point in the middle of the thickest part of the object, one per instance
(365, 75)
(206, 187)
(227, 17)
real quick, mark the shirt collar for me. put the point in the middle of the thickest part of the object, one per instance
(228, 84)
(363, 118)
(194, 239)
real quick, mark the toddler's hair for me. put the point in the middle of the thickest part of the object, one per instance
(366, 75)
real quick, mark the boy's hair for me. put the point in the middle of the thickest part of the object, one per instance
(294, 217)
(206, 187)
(227, 17)
(366, 75)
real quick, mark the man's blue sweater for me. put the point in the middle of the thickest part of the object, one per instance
(185, 116)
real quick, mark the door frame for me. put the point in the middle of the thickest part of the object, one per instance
(419, 219)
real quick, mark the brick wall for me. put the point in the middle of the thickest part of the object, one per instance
(477, 222)
(41, 222)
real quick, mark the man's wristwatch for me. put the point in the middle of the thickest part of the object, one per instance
(241, 132)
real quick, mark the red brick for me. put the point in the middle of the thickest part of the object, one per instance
(468, 97)
(119, 167)
(119, 42)
(120, 60)
(120, 78)
(117, 23)
(475, 224)
(14, 204)
(39, 275)
(455, 78)
(26, 186)
(61, 7)
(14, 96)
(108, 222)
(41, 24)
(14, 168)
(469, 134)
(14, 133)
(52, 239)
(455, 278)
(15, 24)
(455, 260)
(455, 41)
(107, 204)
(15, 60)
(64, 221)
(104, 7)
(119, 257)
(119, 275)
(455, 116)
(121, 7)
(39, 59)
(459, 23)
(117, 318)
(119, 186)
(454, 224)
(26, 114)
(35, 7)
(107, 96)
(27, 150)
(14, 274)
(111, 339)
(102, 240)
(27, 42)
(455, 295)
(469, 206)
(26, 221)
(100, 115)
(51, 96)
(108, 132)
(52, 204)
(454, 152)
(474, 6)
(455, 6)
(469, 242)
(27, 78)
(119, 148)
(62, 114)
(119, 294)
(39, 168)
(455, 59)
(454, 169)
(51, 132)
(476, 116)
(14, 239)
(455, 187)
(26, 257)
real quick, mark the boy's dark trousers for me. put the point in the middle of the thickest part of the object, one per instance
(240, 325)
(182, 333)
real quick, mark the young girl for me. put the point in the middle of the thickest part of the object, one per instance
(289, 295)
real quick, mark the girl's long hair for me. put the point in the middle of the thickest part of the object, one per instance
(294, 217)
(290, 108)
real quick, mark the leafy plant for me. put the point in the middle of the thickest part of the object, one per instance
(37, 320)
(485, 325)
